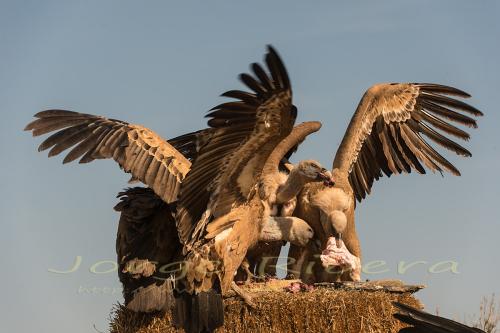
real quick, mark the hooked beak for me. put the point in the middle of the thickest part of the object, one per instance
(326, 177)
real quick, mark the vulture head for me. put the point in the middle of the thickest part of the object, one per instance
(311, 170)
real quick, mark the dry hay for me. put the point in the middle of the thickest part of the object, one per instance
(321, 310)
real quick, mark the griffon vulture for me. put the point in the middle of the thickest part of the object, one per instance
(228, 160)
(147, 237)
(220, 210)
(388, 134)
(212, 263)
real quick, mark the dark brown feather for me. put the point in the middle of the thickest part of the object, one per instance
(398, 114)
(88, 157)
(70, 141)
(146, 231)
(97, 137)
(253, 84)
(423, 322)
(422, 115)
(438, 138)
(237, 129)
(244, 96)
(447, 113)
(441, 89)
(86, 145)
(264, 79)
(440, 99)
(59, 136)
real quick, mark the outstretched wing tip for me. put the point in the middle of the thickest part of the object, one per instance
(444, 89)
(135, 148)
(399, 115)
(272, 50)
(234, 123)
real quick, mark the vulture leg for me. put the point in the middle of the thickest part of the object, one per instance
(297, 257)
(245, 273)
(263, 259)
(290, 229)
(244, 295)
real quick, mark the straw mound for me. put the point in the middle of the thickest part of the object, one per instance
(325, 309)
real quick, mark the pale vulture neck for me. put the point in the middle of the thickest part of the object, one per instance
(293, 185)
(341, 178)
(355, 129)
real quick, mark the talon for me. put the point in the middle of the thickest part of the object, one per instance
(243, 295)
(246, 268)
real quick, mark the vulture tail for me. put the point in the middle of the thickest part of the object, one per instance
(198, 313)
(423, 322)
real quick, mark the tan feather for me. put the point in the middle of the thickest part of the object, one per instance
(137, 149)
(387, 126)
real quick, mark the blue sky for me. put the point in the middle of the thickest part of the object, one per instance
(162, 64)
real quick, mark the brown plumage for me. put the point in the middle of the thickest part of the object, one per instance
(228, 160)
(245, 133)
(217, 193)
(228, 238)
(280, 190)
(221, 180)
(386, 135)
(147, 240)
(147, 248)
(138, 150)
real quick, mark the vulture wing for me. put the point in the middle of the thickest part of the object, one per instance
(422, 322)
(147, 247)
(138, 150)
(385, 133)
(231, 158)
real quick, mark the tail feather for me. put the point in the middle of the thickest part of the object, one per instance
(198, 313)
(425, 322)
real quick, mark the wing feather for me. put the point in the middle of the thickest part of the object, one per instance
(137, 149)
(421, 321)
(243, 130)
(146, 242)
(387, 128)
(56, 137)
(396, 141)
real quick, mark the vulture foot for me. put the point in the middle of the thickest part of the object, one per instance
(336, 254)
(245, 266)
(244, 295)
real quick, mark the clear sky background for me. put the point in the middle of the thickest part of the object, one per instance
(163, 63)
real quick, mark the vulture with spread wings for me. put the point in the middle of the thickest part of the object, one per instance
(203, 205)
(213, 194)
(388, 134)
(224, 203)
(147, 238)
